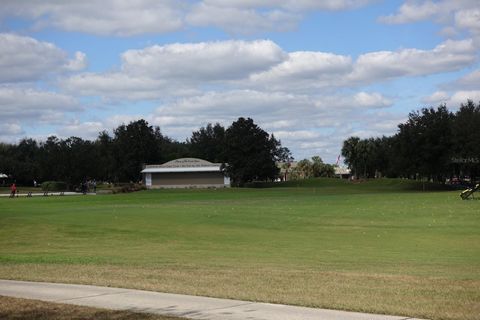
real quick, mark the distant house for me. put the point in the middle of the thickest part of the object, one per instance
(286, 169)
(185, 173)
(342, 172)
(3, 178)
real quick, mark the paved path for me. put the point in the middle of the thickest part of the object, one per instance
(49, 193)
(192, 307)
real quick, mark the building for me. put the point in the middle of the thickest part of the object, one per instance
(185, 173)
(3, 178)
(286, 169)
(342, 172)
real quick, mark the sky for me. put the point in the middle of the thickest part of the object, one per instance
(312, 72)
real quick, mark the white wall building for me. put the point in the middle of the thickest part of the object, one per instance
(185, 173)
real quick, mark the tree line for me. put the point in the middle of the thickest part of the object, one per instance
(248, 152)
(434, 143)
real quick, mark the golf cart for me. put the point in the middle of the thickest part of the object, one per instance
(469, 192)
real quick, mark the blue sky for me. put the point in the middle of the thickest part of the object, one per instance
(312, 72)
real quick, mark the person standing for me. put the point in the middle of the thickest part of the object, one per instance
(13, 190)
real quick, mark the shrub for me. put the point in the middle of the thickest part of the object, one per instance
(54, 186)
(128, 187)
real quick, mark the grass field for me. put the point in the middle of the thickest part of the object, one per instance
(378, 246)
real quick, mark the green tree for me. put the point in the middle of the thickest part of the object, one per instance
(424, 143)
(208, 143)
(104, 157)
(52, 163)
(7, 163)
(251, 153)
(350, 154)
(80, 160)
(134, 145)
(304, 169)
(466, 140)
(25, 165)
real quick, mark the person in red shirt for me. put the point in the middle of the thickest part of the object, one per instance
(13, 190)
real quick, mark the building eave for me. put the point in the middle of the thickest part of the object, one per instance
(182, 169)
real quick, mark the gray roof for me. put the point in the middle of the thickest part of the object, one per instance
(184, 165)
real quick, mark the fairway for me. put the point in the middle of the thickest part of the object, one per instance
(373, 247)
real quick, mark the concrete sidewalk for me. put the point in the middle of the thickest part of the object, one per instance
(192, 307)
(45, 194)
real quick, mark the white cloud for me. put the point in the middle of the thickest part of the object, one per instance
(268, 106)
(295, 111)
(233, 19)
(470, 81)
(128, 18)
(10, 129)
(460, 97)
(297, 135)
(113, 85)
(468, 19)
(236, 103)
(85, 130)
(188, 69)
(436, 98)
(413, 12)
(452, 100)
(313, 70)
(294, 5)
(454, 15)
(448, 56)
(108, 17)
(222, 60)
(305, 69)
(78, 63)
(177, 69)
(33, 105)
(374, 100)
(26, 59)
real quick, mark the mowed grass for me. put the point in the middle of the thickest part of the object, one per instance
(379, 246)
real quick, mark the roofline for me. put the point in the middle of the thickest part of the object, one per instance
(182, 169)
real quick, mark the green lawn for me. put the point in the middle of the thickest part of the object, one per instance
(377, 247)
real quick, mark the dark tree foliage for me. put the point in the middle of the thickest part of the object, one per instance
(208, 143)
(119, 158)
(105, 158)
(426, 141)
(24, 160)
(251, 153)
(466, 140)
(350, 153)
(433, 143)
(134, 145)
(368, 158)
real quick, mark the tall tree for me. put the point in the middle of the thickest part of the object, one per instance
(209, 143)
(134, 145)
(466, 140)
(424, 143)
(52, 161)
(304, 169)
(321, 169)
(250, 153)
(26, 161)
(350, 153)
(105, 157)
